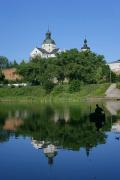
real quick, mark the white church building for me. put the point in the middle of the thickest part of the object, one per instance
(47, 50)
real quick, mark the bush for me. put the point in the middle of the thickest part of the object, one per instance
(12, 86)
(48, 86)
(58, 89)
(74, 86)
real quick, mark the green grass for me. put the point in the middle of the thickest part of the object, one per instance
(23, 91)
(86, 91)
(118, 85)
(60, 92)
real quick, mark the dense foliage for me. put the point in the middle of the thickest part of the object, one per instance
(68, 127)
(87, 67)
(5, 63)
(2, 77)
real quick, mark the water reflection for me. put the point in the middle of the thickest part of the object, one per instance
(98, 117)
(51, 127)
(50, 150)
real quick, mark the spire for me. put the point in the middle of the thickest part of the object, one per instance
(85, 41)
(48, 34)
(48, 28)
(85, 46)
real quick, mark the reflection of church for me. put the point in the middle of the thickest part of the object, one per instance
(50, 152)
(64, 116)
(49, 149)
(37, 144)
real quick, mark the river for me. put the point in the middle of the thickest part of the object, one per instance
(59, 142)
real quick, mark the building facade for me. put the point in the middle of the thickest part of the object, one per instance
(115, 66)
(47, 50)
(11, 74)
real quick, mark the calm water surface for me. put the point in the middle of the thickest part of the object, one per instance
(59, 142)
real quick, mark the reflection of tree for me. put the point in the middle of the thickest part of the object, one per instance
(39, 123)
(71, 135)
(4, 136)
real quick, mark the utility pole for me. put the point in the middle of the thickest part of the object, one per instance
(110, 76)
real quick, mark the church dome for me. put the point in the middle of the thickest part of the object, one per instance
(48, 39)
(85, 46)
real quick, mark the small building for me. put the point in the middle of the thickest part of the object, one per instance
(85, 46)
(115, 66)
(11, 74)
(47, 50)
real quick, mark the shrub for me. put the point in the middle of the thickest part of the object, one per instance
(58, 89)
(74, 86)
(48, 86)
(12, 86)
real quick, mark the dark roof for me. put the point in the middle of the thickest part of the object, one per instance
(48, 39)
(42, 50)
(118, 61)
(45, 52)
(85, 46)
(55, 51)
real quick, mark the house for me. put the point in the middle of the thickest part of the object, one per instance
(115, 66)
(11, 74)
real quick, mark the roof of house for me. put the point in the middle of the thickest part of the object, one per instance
(45, 52)
(118, 61)
(48, 39)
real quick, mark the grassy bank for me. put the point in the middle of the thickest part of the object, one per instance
(59, 93)
(118, 85)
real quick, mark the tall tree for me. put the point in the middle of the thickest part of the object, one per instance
(3, 62)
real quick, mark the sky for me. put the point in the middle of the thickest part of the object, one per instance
(23, 24)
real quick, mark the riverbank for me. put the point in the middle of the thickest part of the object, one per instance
(59, 93)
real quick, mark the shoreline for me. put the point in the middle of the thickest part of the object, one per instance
(56, 99)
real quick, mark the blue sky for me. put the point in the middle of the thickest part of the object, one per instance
(23, 24)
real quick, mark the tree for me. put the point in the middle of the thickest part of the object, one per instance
(74, 86)
(3, 62)
(86, 67)
(48, 86)
(2, 77)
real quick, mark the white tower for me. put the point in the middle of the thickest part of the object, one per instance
(48, 44)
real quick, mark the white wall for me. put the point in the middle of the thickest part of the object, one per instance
(38, 53)
(48, 47)
(35, 53)
(115, 67)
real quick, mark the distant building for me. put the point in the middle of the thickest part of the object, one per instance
(11, 74)
(85, 46)
(47, 50)
(115, 66)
